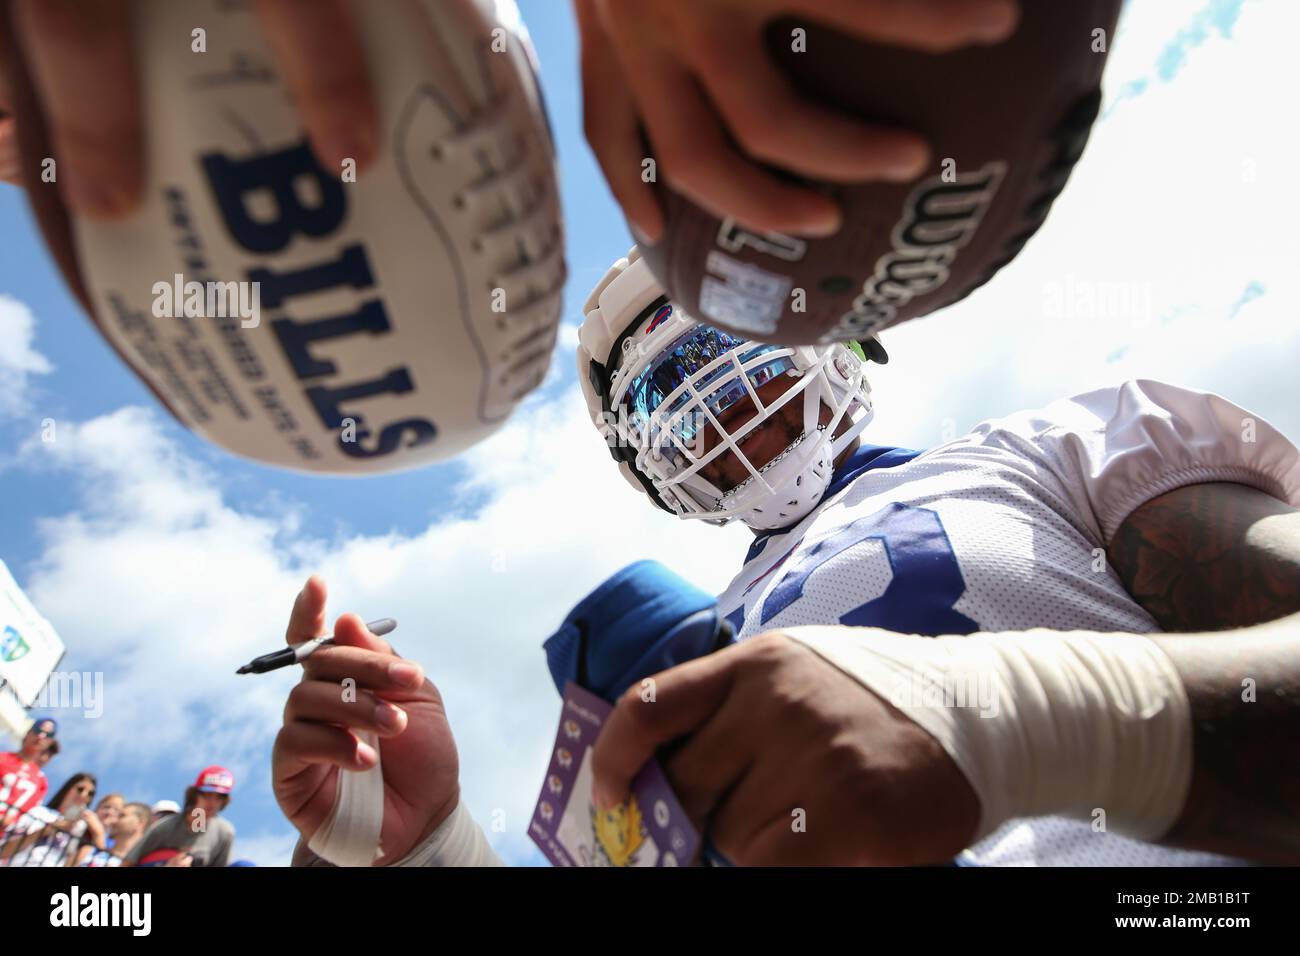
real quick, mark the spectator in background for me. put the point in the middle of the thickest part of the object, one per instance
(197, 836)
(125, 831)
(22, 781)
(165, 808)
(64, 832)
(108, 810)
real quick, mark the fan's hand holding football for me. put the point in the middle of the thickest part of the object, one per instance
(391, 697)
(784, 759)
(80, 55)
(698, 77)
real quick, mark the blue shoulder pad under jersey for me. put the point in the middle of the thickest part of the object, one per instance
(642, 620)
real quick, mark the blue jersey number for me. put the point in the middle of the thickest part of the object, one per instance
(926, 584)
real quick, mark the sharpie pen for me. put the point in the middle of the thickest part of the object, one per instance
(296, 653)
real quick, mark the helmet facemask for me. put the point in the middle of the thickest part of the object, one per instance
(694, 403)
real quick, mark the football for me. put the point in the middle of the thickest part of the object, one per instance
(302, 317)
(1006, 124)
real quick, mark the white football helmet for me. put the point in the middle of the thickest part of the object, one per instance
(659, 386)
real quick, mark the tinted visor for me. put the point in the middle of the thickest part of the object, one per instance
(684, 361)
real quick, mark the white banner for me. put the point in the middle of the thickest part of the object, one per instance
(29, 648)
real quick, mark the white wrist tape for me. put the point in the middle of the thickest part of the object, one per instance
(458, 841)
(350, 834)
(1042, 723)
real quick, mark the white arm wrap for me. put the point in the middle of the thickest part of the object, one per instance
(1041, 723)
(458, 841)
(350, 834)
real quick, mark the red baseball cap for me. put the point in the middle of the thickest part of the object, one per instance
(215, 779)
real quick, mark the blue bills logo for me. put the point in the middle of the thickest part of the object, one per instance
(660, 317)
(12, 646)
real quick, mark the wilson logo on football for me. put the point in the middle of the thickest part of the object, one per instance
(939, 217)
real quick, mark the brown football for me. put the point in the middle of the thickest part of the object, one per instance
(1006, 124)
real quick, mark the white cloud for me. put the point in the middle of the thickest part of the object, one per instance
(1156, 39)
(163, 586)
(19, 360)
(1183, 200)
(265, 848)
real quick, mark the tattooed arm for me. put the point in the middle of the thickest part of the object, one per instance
(1244, 690)
(1214, 556)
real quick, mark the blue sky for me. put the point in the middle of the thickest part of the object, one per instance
(164, 563)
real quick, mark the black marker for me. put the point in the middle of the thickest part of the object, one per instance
(296, 653)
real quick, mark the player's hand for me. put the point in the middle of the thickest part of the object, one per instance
(788, 761)
(180, 859)
(392, 698)
(697, 76)
(80, 56)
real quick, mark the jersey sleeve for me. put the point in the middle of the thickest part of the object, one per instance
(1110, 451)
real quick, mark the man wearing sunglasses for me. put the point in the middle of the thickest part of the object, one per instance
(22, 782)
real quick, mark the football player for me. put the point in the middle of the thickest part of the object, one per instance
(1132, 509)
(1070, 532)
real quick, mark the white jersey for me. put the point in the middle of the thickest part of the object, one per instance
(1006, 529)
